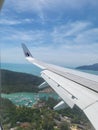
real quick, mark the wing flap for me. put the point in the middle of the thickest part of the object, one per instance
(60, 105)
(63, 94)
(43, 85)
(77, 94)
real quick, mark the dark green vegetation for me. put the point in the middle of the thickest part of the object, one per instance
(93, 67)
(39, 118)
(5, 107)
(24, 118)
(19, 82)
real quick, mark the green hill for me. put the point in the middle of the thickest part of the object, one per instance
(19, 82)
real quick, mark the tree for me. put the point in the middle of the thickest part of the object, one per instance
(64, 126)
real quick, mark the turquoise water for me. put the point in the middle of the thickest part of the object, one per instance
(27, 99)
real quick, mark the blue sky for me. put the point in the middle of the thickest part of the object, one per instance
(62, 32)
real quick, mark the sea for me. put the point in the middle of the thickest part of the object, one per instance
(24, 68)
(28, 99)
(32, 69)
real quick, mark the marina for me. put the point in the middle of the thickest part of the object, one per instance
(28, 99)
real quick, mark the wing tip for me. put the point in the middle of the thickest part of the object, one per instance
(26, 51)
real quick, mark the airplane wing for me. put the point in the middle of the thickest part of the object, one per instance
(74, 87)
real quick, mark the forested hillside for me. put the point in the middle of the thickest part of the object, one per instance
(19, 82)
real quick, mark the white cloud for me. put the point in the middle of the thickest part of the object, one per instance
(12, 54)
(71, 44)
(71, 33)
(89, 36)
(42, 7)
(9, 22)
(39, 5)
(77, 27)
(78, 32)
(16, 34)
(66, 55)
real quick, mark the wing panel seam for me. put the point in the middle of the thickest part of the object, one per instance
(90, 105)
(58, 85)
(72, 80)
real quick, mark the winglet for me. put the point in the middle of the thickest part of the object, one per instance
(26, 51)
(31, 59)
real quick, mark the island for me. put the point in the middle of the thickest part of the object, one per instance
(93, 67)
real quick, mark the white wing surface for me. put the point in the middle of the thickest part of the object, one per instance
(74, 87)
